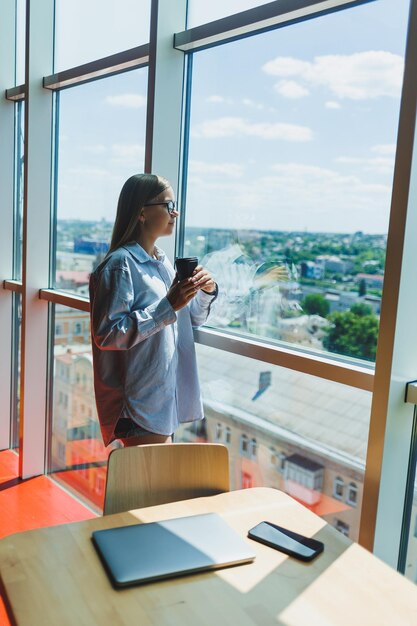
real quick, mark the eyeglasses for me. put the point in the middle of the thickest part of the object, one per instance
(170, 205)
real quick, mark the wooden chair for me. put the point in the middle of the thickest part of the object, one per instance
(147, 475)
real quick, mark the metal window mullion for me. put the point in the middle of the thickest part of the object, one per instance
(7, 125)
(391, 425)
(36, 229)
(165, 95)
(266, 17)
(56, 296)
(13, 285)
(16, 94)
(342, 372)
(100, 68)
(183, 175)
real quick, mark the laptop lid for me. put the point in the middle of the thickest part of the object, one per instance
(146, 552)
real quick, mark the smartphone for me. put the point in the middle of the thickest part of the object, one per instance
(286, 541)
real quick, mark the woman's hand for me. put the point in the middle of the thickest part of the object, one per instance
(202, 280)
(181, 292)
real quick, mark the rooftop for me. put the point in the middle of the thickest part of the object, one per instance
(324, 414)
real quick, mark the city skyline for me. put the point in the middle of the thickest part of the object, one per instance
(109, 223)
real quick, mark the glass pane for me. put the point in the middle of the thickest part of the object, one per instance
(16, 351)
(86, 31)
(201, 11)
(77, 455)
(18, 188)
(101, 143)
(20, 41)
(298, 433)
(290, 176)
(411, 559)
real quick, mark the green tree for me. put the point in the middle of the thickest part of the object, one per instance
(315, 304)
(361, 310)
(362, 287)
(353, 333)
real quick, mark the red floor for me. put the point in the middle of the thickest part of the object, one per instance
(32, 503)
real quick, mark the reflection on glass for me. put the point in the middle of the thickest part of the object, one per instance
(201, 11)
(20, 41)
(18, 189)
(290, 176)
(283, 429)
(16, 351)
(86, 31)
(77, 455)
(101, 144)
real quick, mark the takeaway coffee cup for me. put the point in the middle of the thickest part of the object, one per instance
(185, 266)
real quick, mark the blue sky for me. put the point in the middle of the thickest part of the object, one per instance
(102, 143)
(290, 130)
(295, 129)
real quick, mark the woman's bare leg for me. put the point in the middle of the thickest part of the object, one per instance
(144, 439)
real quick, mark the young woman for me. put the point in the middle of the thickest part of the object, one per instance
(145, 372)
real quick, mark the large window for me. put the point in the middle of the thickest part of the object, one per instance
(101, 144)
(291, 157)
(411, 557)
(16, 352)
(280, 144)
(77, 455)
(18, 189)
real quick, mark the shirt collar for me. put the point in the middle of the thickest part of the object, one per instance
(140, 254)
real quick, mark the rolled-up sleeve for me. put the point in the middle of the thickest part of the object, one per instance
(115, 324)
(200, 307)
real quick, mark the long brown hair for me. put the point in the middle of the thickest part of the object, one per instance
(137, 191)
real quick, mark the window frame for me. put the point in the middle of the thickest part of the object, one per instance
(218, 435)
(339, 483)
(352, 488)
(7, 198)
(243, 444)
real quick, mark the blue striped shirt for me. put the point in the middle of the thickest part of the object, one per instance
(144, 357)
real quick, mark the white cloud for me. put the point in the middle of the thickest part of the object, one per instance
(94, 172)
(323, 183)
(292, 196)
(128, 154)
(331, 104)
(238, 127)
(95, 149)
(291, 89)
(385, 148)
(380, 164)
(215, 99)
(309, 187)
(252, 104)
(286, 66)
(358, 76)
(127, 100)
(201, 168)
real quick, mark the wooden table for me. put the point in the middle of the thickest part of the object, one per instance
(52, 576)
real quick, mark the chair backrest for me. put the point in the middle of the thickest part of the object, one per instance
(147, 475)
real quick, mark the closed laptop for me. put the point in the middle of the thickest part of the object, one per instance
(146, 552)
